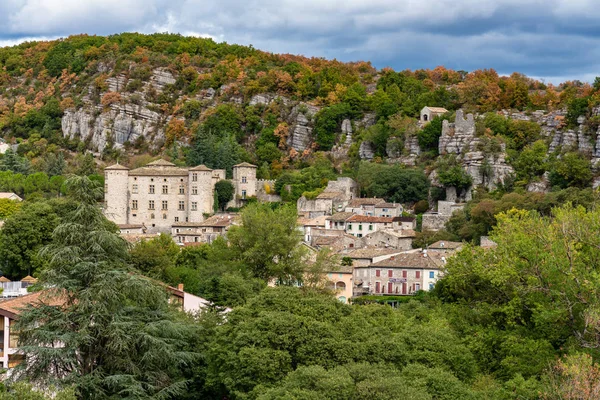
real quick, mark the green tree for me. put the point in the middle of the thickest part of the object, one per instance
(429, 136)
(21, 237)
(155, 256)
(118, 335)
(268, 241)
(225, 191)
(394, 183)
(572, 169)
(531, 162)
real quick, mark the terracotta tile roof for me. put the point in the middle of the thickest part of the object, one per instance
(12, 307)
(245, 164)
(160, 163)
(368, 201)
(116, 167)
(412, 260)
(445, 245)
(371, 219)
(371, 252)
(437, 109)
(340, 217)
(200, 167)
(159, 171)
(220, 220)
(330, 195)
(4, 279)
(317, 221)
(400, 233)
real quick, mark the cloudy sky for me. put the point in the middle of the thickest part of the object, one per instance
(550, 39)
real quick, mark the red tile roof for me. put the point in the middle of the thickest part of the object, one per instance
(371, 219)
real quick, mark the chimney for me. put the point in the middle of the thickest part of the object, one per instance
(180, 287)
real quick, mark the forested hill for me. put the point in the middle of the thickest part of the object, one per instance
(130, 97)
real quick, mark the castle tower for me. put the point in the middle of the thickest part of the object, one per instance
(116, 193)
(244, 181)
(200, 192)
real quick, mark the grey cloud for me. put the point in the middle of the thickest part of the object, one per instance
(558, 39)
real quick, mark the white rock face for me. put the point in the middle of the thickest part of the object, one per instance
(301, 127)
(365, 151)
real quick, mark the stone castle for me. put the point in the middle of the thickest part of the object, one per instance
(161, 194)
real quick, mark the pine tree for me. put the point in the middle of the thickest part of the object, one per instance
(112, 332)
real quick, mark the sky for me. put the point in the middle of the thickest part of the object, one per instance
(553, 40)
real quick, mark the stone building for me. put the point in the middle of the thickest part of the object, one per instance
(161, 194)
(429, 113)
(333, 199)
(400, 274)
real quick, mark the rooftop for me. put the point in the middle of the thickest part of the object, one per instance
(367, 201)
(412, 260)
(370, 219)
(220, 220)
(9, 195)
(160, 163)
(116, 166)
(340, 217)
(401, 233)
(200, 167)
(317, 221)
(12, 307)
(406, 219)
(445, 245)
(437, 109)
(387, 205)
(245, 164)
(330, 195)
(371, 252)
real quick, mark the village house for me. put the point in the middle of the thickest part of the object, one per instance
(361, 225)
(429, 113)
(338, 221)
(363, 206)
(401, 274)
(407, 223)
(203, 232)
(10, 196)
(401, 239)
(388, 210)
(161, 194)
(341, 282)
(16, 288)
(306, 225)
(335, 240)
(12, 308)
(445, 247)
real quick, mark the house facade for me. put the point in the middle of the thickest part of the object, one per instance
(401, 274)
(362, 225)
(429, 113)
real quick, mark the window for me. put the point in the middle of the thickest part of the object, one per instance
(165, 189)
(370, 227)
(431, 274)
(243, 194)
(404, 274)
(181, 189)
(177, 220)
(165, 205)
(194, 177)
(134, 204)
(151, 189)
(431, 286)
(350, 227)
(134, 188)
(377, 272)
(194, 206)
(244, 179)
(181, 205)
(359, 235)
(417, 274)
(390, 273)
(377, 287)
(194, 189)
(151, 205)
(152, 217)
(360, 227)
(164, 216)
(417, 287)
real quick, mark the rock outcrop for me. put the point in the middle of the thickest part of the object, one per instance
(301, 126)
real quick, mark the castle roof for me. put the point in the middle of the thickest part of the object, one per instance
(117, 167)
(245, 164)
(160, 163)
(201, 167)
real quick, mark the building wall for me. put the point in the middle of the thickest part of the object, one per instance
(342, 284)
(116, 195)
(361, 229)
(389, 212)
(247, 185)
(382, 239)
